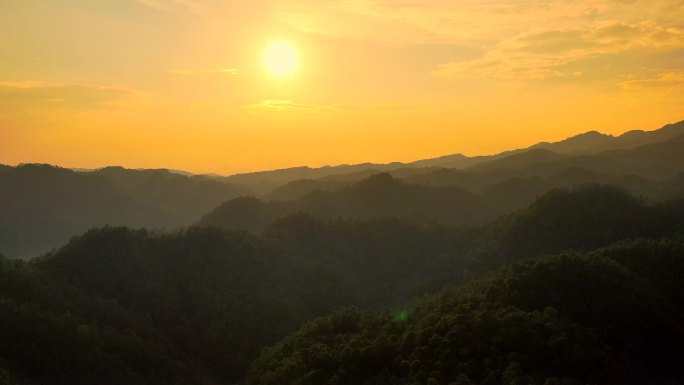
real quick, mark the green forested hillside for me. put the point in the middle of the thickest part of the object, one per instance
(51, 333)
(220, 296)
(206, 301)
(579, 219)
(612, 316)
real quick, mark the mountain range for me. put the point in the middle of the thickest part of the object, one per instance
(42, 206)
(559, 264)
(588, 143)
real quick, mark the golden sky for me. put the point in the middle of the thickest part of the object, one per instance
(182, 84)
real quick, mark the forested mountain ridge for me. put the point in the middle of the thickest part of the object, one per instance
(216, 297)
(384, 195)
(377, 196)
(579, 219)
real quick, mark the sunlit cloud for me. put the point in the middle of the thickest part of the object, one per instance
(571, 54)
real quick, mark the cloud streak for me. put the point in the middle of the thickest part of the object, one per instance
(437, 21)
(270, 106)
(194, 72)
(174, 6)
(671, 80)
(22, 96)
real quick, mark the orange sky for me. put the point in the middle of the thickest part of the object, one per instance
(181, 83)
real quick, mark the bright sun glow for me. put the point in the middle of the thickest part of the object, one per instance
(280, 59)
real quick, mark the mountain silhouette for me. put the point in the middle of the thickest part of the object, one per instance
(588, 143)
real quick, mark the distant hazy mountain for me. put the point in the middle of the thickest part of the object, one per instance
(588, 143)
(594, 142)
(265, 181)
(449, 161)
(465, 197)
(520, 159)
(42, 206)
(658, 160)
(299, 188)
(645, 170)
(382, 195)
(184, 196)
(378, 196)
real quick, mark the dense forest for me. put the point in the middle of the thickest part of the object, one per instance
(613, 316)
(119, 305)
(52, 333)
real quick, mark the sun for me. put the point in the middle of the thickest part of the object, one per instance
(280, 59)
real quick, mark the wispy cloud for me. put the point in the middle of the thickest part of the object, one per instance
(571, 54)
(272, 105)
(432, 21)
(193, 72)
(520, 39)
(287, 106)
(462, 21)
(18, 96)
(673, 80)
(173, 6)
